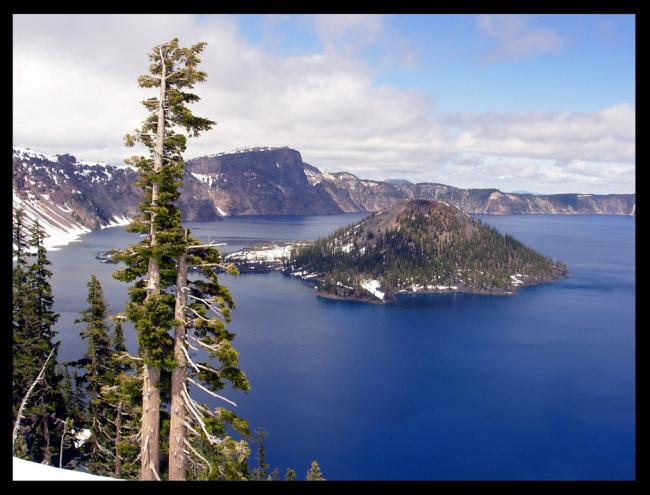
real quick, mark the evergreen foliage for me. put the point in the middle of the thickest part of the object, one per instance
(151, 266)
(209, 306)
(261, 471)
(98, 372)
(314, 473)
(24, 369)
(33, 340)
(159, 214)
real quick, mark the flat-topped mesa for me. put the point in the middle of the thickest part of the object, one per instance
(282, 165)
(420, 246)
(256, 181)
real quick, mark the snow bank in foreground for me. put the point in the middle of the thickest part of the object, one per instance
(31, 471)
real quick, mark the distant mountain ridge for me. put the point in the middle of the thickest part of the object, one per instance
(267, 181)
(69, 195)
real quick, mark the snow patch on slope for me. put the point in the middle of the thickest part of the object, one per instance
(118, 221)
(59, 230)
(26, 154)
(208, 179)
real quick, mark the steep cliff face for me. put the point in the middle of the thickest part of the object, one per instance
(352, 194)
(260, 181)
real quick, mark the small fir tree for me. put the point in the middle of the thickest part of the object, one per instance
(99, 372)
(290, 475)
(40, 322)
(314, 473)
(261, 471)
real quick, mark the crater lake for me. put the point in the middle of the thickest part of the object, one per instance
(535, 386)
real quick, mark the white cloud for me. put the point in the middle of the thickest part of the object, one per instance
(515, 37)
(608, 135)
(348, 32)
(75, 91)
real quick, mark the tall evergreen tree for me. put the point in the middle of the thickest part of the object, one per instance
(203, 308)
(97, 365)
(151, 264)
(34, 334)
(75, 405)
(24, 368)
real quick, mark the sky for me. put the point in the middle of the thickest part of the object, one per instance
(536, 103)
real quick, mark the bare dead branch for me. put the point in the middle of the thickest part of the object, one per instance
(19, 415)
(188, 402)
(211, 392)
(197, 454)
(189, 359)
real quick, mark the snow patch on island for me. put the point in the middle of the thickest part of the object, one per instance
(372, 286)
(274, 253)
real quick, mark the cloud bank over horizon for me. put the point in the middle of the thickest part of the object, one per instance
(75, 91)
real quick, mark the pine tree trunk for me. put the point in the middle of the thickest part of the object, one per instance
(177, 432)
(47, 455)
(150, 443)
(118, 439)
(65, 427)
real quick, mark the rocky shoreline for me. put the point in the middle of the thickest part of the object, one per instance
(391, 297)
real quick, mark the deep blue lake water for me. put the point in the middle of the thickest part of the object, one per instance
(536, 386)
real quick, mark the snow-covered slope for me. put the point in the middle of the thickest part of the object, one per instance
(60, 229)
(31, 471)
(70, 197)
